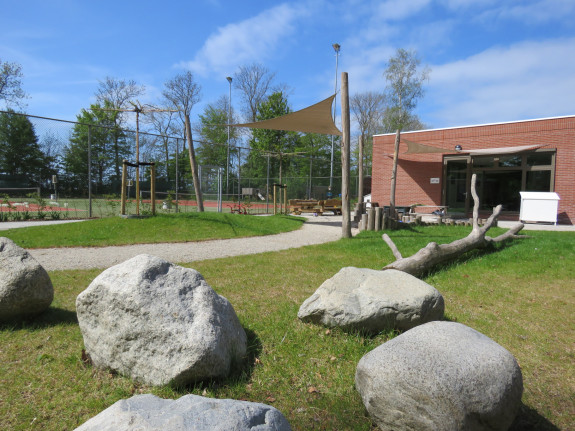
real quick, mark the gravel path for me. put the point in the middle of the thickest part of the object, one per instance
(316, 230)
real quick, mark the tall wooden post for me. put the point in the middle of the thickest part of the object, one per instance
(285, 199)
(194, 166)
(345, 149)
(275, 204)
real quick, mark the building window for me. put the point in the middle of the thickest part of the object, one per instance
(500, 178)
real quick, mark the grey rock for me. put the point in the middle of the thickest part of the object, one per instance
(188, 413)
(440, 376)
(159, 323)
(372, 301)
(25, 287)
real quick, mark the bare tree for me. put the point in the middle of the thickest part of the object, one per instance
(405, 87)
(254, 83)
(162, 121)
(10, 83)
(367, 110)
(116, 94)
(182, 92)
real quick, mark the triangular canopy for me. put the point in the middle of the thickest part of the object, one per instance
(313, 119)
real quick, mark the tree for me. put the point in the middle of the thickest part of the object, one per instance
(183, 92)
(405, 81)
(115, 93)
(20, 153)
(10, 83)
(275, 143)
(254, 83)
(214, 133)
(105, 142)
(367, 110)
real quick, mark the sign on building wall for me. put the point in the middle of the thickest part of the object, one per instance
(434, 181)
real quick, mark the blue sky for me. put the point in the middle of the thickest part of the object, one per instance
(490, 60)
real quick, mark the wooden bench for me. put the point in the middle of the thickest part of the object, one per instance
(332, 205)
(298, 206)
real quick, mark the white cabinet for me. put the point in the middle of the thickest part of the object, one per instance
(539, 206)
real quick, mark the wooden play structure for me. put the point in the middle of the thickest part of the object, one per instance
(152, 165)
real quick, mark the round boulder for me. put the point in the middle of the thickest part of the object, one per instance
(25, 287)
(159, 323)
(440, 376)
(372, 301)
(190, 412)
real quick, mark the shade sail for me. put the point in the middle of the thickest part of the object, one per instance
(503, 150)
(415, 148)
(313, 119)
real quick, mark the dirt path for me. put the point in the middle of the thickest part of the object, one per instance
(316, 230)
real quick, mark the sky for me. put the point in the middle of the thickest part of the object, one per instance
(490, 60)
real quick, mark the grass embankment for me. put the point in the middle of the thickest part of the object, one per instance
(158, 229)
(521, 296)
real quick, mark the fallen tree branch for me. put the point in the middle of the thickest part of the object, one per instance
(433, 254)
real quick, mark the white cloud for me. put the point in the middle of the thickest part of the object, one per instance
(540, 11)
(527, 80)
(250, 40)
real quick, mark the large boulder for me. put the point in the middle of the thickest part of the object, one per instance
(25, 287)
(188, 413)
(159, 323)
(372, 301)
(440, 376)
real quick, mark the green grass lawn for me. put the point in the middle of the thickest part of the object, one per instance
(521, 295)
(161, 228)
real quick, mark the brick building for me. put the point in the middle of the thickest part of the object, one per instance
(435, 166)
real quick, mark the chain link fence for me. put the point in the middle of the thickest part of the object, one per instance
(82, 176)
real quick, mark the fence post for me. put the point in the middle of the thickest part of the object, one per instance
(153, 188)
(123, 192)
(89, 171)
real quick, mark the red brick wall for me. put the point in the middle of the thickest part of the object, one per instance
(415, 170)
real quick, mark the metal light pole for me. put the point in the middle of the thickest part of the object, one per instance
(336, 47)
(229, 78)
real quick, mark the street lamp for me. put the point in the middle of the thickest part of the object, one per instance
(336, 47)
(229, 78)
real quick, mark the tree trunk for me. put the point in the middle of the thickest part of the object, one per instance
(394, 175)
(194, 166)
(360, 170)
(433, 254)
(345, 145)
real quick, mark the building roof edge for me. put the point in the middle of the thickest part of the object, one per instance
(479, 125)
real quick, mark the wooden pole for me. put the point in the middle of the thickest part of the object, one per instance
(285, 199)
(275, 204)
(123, 206)
(194, 166)
(137, 162)
(345, 146)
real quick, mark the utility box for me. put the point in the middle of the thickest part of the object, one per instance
(539, 206)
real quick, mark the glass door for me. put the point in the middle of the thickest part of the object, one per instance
(456, 185)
